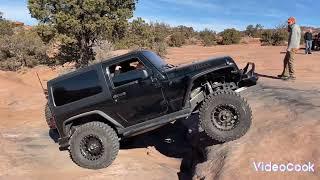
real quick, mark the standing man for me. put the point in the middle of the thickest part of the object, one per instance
(308, 38)
(293, 47)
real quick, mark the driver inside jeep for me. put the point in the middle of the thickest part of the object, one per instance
(125, 67)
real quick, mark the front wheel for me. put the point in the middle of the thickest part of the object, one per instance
(94, 145)
(225, 116)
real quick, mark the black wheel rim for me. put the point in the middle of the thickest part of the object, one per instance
(225, 117)
(91, 147)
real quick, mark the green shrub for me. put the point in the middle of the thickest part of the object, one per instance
(160, 48)
(102, 50)
(122, 44)
(6, 28)
(138, 35)
(187, 32)
(176, 40)
(254, 31)
(193, 41)
(280, 37)
(230, 36)
(22, 49)
(275, 37)
(208, 37)
(142, 35)
(46, 32)
(266, 38)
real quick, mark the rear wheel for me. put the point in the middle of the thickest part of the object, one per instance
(94, 145)
(225, 116)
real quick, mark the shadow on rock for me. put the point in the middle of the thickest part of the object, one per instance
(268, 76)
(181, 139)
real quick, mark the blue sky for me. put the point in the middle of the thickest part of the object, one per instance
(213, 14)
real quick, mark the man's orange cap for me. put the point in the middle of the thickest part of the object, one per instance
(292, 20)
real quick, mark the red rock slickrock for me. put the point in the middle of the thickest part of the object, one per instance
(286, 125)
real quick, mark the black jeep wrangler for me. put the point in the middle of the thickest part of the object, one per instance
(95, 107)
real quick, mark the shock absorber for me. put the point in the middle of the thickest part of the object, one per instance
(209, 87)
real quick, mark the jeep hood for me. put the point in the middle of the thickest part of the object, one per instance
(200, 66)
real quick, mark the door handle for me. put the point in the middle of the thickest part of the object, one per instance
(119, 95)
(155, 82)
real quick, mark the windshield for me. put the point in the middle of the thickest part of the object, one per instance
(155, 59)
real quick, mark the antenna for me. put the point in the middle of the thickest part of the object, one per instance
(44, 91)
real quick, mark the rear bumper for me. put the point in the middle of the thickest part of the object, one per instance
(248, 75)
(52, 123)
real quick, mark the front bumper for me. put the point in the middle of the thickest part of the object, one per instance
(248, 76)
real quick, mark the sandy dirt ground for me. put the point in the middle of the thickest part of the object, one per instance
(286, 127)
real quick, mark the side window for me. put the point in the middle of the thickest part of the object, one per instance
(76, 88)
(126, 71)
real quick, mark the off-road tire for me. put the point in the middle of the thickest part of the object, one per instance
(49, 117)
(221, 98)
(108, 138)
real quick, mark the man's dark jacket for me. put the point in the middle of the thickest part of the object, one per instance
(308, 36)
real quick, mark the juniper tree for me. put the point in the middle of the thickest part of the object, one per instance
(78, 24)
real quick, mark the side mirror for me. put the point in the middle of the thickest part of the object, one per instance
(144, 74)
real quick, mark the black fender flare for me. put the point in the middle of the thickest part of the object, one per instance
(109, 119)
(196, 76)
